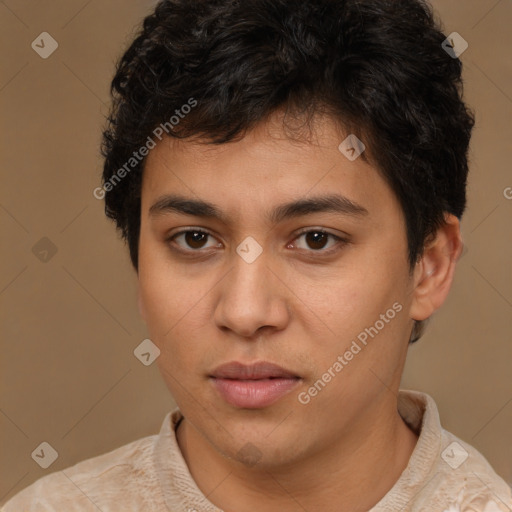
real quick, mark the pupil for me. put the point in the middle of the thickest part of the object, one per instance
(195, 238)
(316, 240)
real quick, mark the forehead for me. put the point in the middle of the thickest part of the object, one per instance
(265, 168)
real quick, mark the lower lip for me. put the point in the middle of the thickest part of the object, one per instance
(254, 394)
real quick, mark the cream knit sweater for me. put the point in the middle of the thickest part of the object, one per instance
(444, 474)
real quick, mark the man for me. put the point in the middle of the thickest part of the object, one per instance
(290, 178)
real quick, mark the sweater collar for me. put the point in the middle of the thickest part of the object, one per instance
(417, 409)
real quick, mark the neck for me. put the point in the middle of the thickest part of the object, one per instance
(357, 470)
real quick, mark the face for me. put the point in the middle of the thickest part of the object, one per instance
(320, 288)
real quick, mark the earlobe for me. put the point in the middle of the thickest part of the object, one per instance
(434, 273)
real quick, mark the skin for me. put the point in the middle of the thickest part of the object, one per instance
(293, 306)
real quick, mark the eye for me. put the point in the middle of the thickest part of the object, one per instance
(318, 240)
(192, 239)
(314, 240)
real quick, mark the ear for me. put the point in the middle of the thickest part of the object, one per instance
(140, 303)
(434, 273)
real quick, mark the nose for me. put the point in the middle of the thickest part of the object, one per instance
(251, 300)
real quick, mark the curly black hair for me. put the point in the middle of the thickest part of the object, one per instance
(376, 66)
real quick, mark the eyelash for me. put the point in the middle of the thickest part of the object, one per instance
(327, 252)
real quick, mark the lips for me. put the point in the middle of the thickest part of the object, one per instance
(253, 386)
(257, 371)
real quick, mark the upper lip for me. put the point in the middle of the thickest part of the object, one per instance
(259, 370)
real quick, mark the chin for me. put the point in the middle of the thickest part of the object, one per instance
(263, 447)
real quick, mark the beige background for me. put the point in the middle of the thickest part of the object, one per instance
(70, 325)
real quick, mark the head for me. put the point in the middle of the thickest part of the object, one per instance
(224, 113)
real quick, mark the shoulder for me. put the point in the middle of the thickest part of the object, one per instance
(86, 484)
(444, 473)
(467, 480)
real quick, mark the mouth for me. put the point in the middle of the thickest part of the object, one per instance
(253, 386)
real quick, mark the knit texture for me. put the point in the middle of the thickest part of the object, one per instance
(151, 475)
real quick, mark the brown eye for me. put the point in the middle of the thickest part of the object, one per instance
(317, 239)
(192, 240)
(195, 239)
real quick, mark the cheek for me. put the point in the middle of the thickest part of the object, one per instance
(161, 301)
(163, 294)
(175, 309)
(368, 309)
(355, 299)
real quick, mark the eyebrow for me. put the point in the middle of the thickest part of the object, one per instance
(333, 203)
